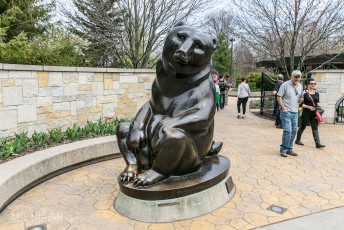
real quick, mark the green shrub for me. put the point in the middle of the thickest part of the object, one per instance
(73, 133)
(22, 141)
(237, 80)
(56, 135)
(254, 80)
(39, 140)
(88, 129)
(8, 149)
(111, 129)
(100, 128)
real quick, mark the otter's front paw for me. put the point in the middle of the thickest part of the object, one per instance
(129, 173)
(148, 178)
(136, 140)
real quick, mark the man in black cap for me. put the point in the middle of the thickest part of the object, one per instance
(276, 107)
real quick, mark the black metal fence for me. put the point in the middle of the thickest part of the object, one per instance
(263, 102)
(267, 99)
(339, 118)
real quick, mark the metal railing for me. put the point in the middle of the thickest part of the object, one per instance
(339, 117)
(267, 99)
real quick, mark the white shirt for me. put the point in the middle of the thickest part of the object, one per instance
(217, 88)
(243, 90)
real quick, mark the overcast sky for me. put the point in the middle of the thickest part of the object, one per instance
(220, 5)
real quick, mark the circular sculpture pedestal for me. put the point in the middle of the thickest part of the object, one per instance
(179, 197)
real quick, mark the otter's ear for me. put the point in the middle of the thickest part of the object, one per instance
(214, 43)
(179, 24)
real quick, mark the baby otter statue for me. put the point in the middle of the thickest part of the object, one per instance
(173, 132)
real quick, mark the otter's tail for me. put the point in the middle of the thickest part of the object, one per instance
(215, 148)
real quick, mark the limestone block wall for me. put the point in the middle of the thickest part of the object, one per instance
(45, 97)
(330, 85)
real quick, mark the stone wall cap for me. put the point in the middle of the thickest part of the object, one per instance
(18, 67)
(60, 68)
(327, 71)
(91, 69)
(123, 70)
(144, 70)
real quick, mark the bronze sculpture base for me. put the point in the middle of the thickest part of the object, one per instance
(179, 198)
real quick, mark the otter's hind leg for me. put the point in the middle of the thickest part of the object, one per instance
(177, 156)
(132, 169)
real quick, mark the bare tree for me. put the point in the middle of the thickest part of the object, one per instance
(280, 28)
(130, 31)
(220, 22)
(243, 58)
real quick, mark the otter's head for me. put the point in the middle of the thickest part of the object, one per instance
(188, 51)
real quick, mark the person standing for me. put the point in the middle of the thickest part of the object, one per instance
(223, 90)
(229, 87)
(289, 96)
(217, 94)
(276, 111)
(309, 106)
(243, 94)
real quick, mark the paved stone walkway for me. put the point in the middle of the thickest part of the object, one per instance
(309, 183)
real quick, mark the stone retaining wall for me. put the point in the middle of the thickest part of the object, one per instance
(45, 97)
(330, 85)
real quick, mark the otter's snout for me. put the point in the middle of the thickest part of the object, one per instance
(182, 54)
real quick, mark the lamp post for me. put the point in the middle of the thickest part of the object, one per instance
(231, 63)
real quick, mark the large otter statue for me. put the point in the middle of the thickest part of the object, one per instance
(173, 132)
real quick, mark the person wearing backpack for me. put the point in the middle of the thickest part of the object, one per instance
(223, 85)
(229, 87)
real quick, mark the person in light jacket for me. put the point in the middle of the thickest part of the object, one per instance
(243, 94)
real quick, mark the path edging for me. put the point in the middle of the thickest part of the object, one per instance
(19, 175)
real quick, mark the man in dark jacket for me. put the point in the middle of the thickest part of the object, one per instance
(223, 84)
(276, 107)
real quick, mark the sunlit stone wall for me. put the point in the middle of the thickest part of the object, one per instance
(40, 98)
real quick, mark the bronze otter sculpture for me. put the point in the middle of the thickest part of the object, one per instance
(173, 132)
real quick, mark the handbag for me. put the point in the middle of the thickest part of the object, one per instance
(317, 113)
(318, 116)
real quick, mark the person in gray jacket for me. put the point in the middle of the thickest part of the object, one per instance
(289, 96)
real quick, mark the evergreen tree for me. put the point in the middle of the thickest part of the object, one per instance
(28, 37)
(28, 16)
(98, 22)
(221, 58)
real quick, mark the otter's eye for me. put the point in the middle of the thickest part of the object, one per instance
(181, 37)
(197, 46)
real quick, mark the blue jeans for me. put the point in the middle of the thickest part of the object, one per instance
(222, 101)
(289, 124)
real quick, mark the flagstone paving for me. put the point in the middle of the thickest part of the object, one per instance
(311, 182)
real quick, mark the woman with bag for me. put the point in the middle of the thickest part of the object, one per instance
(310, 106)
(243, 94)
